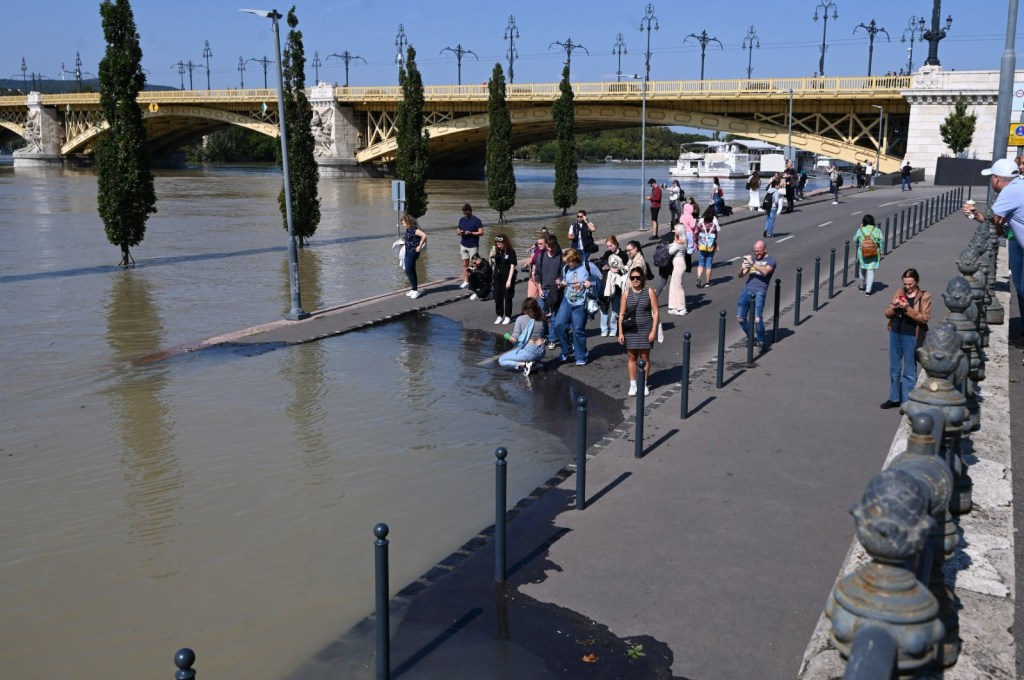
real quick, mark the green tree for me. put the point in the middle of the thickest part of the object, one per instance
(958, 129)
(125, 193)
(302, 168)
(567, 180)
(413, 155)
(501, 178)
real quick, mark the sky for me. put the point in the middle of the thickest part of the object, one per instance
(790, 40)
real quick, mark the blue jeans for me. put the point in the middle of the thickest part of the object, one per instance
(905, 186)
(902, 366)
(545, 307)
(1015, 253)
(511, 359)
(769, 225)
(572, 317)
(719, 203)
(743, 304)
(410, 267)
(610, 321)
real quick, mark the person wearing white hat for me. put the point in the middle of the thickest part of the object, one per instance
(1008, 210)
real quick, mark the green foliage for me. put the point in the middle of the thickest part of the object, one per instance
(125, 193)
(634, 652)
(567, 181)
(413, 155)
(958, 129)
(501, 179)
(235, 145)
(662, 144)
(302, 168)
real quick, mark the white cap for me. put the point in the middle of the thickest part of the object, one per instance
(1003, 167)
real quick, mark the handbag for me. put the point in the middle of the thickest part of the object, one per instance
(629, 320)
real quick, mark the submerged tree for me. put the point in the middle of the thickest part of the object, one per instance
(567, 181)
(958, 129)
(302, 167)
(501, 178)
(125, 194)
(412, 157)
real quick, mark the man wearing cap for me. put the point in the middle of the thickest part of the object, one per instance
(1008, 209)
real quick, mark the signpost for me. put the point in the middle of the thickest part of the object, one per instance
(1016, 134)
(398, 199)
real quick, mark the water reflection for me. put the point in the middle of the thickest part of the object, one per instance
(304, 369)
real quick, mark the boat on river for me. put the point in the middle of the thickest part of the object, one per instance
(688, 163)
(739, 158)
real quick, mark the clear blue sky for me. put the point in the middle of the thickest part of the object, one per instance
(48, 32)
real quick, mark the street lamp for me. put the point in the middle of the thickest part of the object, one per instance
(750, 41)
(265, 62)
(511, 35)
(24, 77)
(296, 312)
(78, 70)
(619, 48)
(825, 6)
(915, 26)
(569, 46)
(878, 149)
(316, 67)
(181, 72)
(935, 34)
(241, 73)
(458, 51)
(872, 30)
(401, 43)
(704, 39)
(207, 53)
(346, 57)
(646, 21)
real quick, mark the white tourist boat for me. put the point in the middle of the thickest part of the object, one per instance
(739, 158)
(688, 163)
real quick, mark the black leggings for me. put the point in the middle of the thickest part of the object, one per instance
(503, 298)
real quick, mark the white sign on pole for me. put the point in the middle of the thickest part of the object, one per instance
(1018, 97)
(398, 193)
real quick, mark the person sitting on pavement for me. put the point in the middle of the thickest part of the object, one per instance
(481, 277)
(578, 277)
(908, 312)
(758, 268)
(867, 239)
(638, 324)
(528, 336)
(549, 269)
(470, 230)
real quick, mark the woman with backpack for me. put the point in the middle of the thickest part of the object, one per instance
(706, 236)
(868, 241)
(772, 199)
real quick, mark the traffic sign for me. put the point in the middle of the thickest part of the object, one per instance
(1016, 134)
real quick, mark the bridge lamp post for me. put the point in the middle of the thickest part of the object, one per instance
(749, 43)
(511, 35)
(872, 30)
(181, 72)
(915, 26)
(347, 58)
(207, 53)
(936, 34)
(458, 51)
(296, 313)
(241, 73)
(825, 6)
(704, 39)
(789, 134)
(401, 43)
(316, 63)
(878, 149)
(646, 21)
(265, 62)
(24, 76)
(569, 46)
(78, 70)
(619, 48)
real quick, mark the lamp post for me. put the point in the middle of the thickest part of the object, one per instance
(646, 22)
(347, 58)
(825, 6)
(296, 312)
(181, 72)
(241, 73)
(569, 46)
(750, 41)
(936, 34)
(207, 53)
(789, 134)
(1007, 67)
(619, 48)
(511, 35)
(872, 30)
(316, 63)
(265, 62)
(458, 51)
(401, 44)
(24, 77)
(78, 70)
(915, 26)
(704, 39)
(878, 149)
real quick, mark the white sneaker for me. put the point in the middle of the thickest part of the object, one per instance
(465, 284)
(474, 296)
(414, 294)
(632, 391)
(497, 321)
(506, 321)
(647, 391)
(682, 312)
(527, 368)
(409, 294)
(835, 202)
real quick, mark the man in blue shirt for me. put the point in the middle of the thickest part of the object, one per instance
(470, 230)
(758, 268)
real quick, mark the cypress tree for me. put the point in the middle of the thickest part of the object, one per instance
(501, 179)
(412, 158)
(958, 129)
(125, 193)
(567, 181)
(302, 167)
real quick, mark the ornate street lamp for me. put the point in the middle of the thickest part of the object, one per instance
(872, 30)
(647, 21)
(825, 6)
(749, 43)
(265, 62)
(704, 39)
(316, 63)
(936, 34)
(569, 46)
(511, 35)
(915, 26)
(401, 44)
(458, 51)
(207, 53)
(347, 58)
(619, 48)
(241, 73)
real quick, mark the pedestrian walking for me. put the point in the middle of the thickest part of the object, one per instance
(581, 234)
(679, 249)
(905, 177)
(549, 271)
(470, 229)
(707, 246)
(655, 200)
(869, 174)
(415, 241)
(504, 263)
(758, 268)
(638, 323)
(868, 240)
(536, 253)
(858, 172)
(791, 179)
(772, 202)
(908, 312)
(578, 277)
(528, 336)
(753, 186)
(675, 197)
(717, 196)
(835, 180)
(613, 268)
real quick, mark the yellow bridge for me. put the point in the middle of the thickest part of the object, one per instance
(837, 117)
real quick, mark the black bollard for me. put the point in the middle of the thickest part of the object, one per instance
(749, 313)
(581, 453)
(796, 306)
(831, 273)
(846, 264)
(897, 241)
(641, 384)
(380, 560)
(885, 241)
(915, 223)
(184, 659)
(721, 350)
(775, 315)
(500, 503)
(817, 280)
(684, 397)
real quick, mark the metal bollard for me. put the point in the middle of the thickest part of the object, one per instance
(903, 221)
(184, 659)
(885, 241)
(684, 400)
(817, 280)
(380, 561)
(500, 504)
(641, 384)
(775, 315)
(721, 350)
(846, 264)
(749, 313)
(915, 223)
(831, 273)
(796, 306)
(581, 453)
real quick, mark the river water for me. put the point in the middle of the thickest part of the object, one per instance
(224, 500)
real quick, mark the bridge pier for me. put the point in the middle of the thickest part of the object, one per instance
(336, 136)
(42, 136)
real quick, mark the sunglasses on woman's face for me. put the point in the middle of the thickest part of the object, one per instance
(635, 278)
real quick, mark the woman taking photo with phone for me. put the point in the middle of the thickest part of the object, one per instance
(638, 324)
(908, 314)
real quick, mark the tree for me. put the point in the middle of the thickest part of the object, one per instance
(567, 181)
(125, 194)
(501, 178)
(958, 129)
(413, 155)
(298, 112)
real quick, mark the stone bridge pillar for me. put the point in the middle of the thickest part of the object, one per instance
(43, 136)
(335, 134)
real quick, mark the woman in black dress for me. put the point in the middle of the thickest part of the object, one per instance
(638, 324)
(504, 263)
